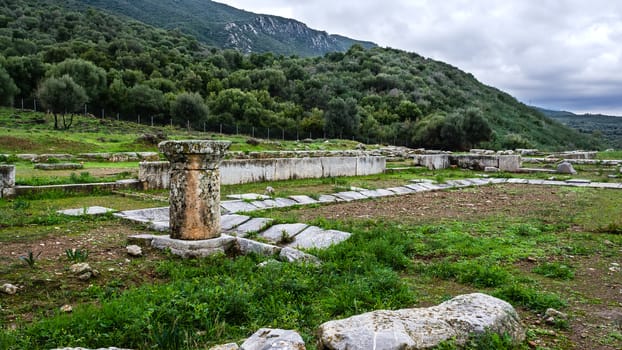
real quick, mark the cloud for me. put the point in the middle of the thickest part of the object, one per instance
(563, 53)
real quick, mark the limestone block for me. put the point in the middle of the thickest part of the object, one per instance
(432, 161)
(273, 339)
(509, 163)
(566, 168)
(423, 328)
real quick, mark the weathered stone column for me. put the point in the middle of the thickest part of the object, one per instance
(7, 180)
(195, 187)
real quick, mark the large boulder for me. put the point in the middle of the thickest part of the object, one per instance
(424, 328)
(566, 168)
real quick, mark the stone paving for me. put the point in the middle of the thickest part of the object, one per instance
(236, 227)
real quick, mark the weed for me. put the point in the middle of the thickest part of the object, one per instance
(20, 204)
(555, 270)
(285, 238)
(77, 255)
(533, 299)
(614, 228)
(30, 259)
(525, 230)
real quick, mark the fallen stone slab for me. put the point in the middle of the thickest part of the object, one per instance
(95, 210)
(278, 233)
(302, 199)
(372, 193)
(274, 339)
(294, 255)
(248, 196)
(237, 206)
(264, 204)
(285, 202)
(350, 196)
(248, 246)
(145, 215)
(227, 222)
(402, 189)
(424, 328)
(252, 225)
(578, 181)
(327, 198)
(315, 237)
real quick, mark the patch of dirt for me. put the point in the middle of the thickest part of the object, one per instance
(463, 204)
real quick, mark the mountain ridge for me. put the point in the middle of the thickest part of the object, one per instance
(226, 27)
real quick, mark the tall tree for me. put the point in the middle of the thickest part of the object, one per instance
(8, 89)
(84, 73)
(62, 96)
(189, 107)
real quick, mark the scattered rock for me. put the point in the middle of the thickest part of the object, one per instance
(83, 271)
(274, 339)
(269, 191)
(307, 140)
(551, 316)
(608, 242)
(253, 142)
(268, 262)
(361, 147)
(566, 168)
(295, 255)
(491, 169)
(9, 289)
(66, 308)
(424, 328)
(134, 250)
(153, 139)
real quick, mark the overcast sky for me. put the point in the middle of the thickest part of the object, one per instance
(558, 54)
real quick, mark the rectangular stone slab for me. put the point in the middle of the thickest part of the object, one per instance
(95, 210)
(248, 196)
(302, 199)
(285, 202)
(327, 198)
(237, 206)
(315, 237)
(227, 222)
(401, 189)
(276, 233)
(252, 225)
(349, 195)
(145, 215)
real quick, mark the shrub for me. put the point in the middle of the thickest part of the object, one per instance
(532, 299)
(555, 270)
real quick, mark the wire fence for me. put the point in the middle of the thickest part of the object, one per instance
(268, 133)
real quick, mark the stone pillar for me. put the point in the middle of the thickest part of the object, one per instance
(195, 187)
(7, 180)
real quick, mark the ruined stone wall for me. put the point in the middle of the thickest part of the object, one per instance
(238, 171)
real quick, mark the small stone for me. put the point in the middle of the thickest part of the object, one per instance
(608, 242)
(134, 250)
(552, 313)
(80, 268)
(583, 335)
(66, 308)
(269, 191)
(9, 289)
(566, 168)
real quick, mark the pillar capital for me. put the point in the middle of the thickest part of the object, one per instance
(194, 154)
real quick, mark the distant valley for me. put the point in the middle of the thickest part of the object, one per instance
(602, 126)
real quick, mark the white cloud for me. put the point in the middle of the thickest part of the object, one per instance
(562, 54)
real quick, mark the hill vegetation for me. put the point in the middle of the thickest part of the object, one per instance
(223, 26)
(605, 127)
(125, 69)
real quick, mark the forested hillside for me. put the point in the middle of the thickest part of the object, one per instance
(66, 59)
(223, 26)
(606, 127)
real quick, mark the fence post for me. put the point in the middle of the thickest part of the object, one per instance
(253, 134)
(188, 125)
(268, 133)
(282, 134)
(139, 119)
(22, 104)
(85, 110)
(34, 102)
(221, 128)
(151, 120)
(118, 116)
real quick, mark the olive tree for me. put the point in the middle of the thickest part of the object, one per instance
(62, 96)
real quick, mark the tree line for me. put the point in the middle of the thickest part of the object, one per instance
(67, 58)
